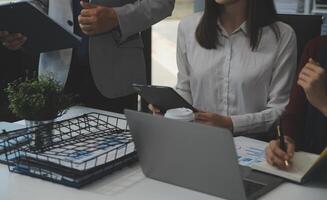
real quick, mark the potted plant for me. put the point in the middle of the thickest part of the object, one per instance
(39, 101)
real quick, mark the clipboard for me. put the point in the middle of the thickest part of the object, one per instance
(164, 98)
(43, 33)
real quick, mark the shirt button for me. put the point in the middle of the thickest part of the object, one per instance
(70, 23)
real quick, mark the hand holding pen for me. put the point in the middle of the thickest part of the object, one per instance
(279, 152)
(282, 144)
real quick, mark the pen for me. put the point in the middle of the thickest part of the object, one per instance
(282, 142)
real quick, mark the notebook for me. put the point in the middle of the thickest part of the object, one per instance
(305, 166)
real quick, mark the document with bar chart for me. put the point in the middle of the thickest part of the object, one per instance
(249, 151)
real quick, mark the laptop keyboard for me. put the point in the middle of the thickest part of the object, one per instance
(251, 187)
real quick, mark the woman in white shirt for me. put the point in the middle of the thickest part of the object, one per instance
(236, 64)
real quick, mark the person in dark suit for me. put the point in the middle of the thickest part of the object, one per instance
(305, 120)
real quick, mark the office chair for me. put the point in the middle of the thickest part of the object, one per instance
(306, 27)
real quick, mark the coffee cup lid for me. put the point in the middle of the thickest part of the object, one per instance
(183, 114)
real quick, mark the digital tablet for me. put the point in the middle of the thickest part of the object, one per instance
(43, 34)
(164, 98)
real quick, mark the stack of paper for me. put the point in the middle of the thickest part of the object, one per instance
(7, 127)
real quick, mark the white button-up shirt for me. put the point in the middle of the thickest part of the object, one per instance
(252, 87)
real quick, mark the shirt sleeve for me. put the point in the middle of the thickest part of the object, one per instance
(279, 89)
(293, 121)
(136, 17)
(294, 117)
(183, 77)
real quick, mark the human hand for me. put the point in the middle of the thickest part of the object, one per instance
(12, 41)
(96, 19)
(214, 119)
(312, 79)
(276, 156)
(154, 109)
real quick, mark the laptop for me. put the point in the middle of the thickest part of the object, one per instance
(194, 156)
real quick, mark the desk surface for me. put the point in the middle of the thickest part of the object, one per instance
(128, 183)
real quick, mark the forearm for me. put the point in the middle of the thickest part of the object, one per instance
(255, 122)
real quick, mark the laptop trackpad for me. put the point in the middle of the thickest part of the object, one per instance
(257, 183)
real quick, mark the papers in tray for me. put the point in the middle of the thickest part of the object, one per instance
(7, 127)
(71, 177)
(86, 155)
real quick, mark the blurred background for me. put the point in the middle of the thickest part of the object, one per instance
(164, 35)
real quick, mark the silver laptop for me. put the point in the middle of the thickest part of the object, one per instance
(194, 156)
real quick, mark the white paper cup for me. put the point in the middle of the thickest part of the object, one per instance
(182, 114)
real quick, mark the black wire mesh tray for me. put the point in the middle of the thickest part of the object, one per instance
(71, 152)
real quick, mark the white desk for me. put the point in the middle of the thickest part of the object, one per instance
(127, 184)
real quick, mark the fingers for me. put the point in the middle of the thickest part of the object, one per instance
(311, 73)
(275, 147)
(302, 83)
(305, 83)
(87, 29)
(96, 19)
(13, 37)
(87, 24)
(304, 78)
(290, 146)
(153, 109)
(86, 20)
(12, 41)
(314, 66)
(276, 157)
(203, 116)
(3, 34)
(88, 12)
(274, 160)
(308, 71)
(311, 70)
(15, 45)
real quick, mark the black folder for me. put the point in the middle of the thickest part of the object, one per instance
(43, 33)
